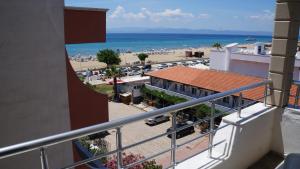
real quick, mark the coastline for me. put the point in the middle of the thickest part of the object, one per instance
(90, 62)
(84, 63)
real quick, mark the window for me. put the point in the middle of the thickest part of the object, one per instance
(194, 91)
(165, 84)
(182, 88)
(226, 100)
(176, 87)
(205, 93)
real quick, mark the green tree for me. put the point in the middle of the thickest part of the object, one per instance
(217, 45)
(111, 58)
(143, 57)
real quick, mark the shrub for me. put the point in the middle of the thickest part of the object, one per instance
(131, 158)
(163, 96)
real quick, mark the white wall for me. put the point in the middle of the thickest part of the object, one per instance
(290, 127)
(240, 144)
(33, 92)
(249, 68)
(217, 60)
(252, 65)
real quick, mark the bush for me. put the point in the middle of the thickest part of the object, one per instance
(99, 146)
(162, 96)
(131, 158)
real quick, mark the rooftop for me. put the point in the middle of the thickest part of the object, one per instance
(218, 81)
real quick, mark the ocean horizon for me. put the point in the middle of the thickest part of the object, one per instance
(139, 42)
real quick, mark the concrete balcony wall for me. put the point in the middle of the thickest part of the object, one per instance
(243, 142)
(290, 130)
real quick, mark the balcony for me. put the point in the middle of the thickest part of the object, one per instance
(242, 138)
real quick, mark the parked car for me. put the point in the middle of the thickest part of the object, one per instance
(183, 132)
(199, 61)
(174, 64)
(135, 68)
(157, 120)
(185, 64)
(162, 66)
(134, 73)
(195, 62)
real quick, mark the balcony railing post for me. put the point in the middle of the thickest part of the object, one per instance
(266, 94)
(173, 140)
(297, 96)
(211, 132)
(119, 147)
(44, 160)
(240, 105)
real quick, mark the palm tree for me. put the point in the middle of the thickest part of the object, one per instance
(217, 45)
(111, 58)
(143, 57)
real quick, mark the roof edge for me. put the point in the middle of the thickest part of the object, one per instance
(86, 8)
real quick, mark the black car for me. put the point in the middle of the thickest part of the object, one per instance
(183, 132)
(147, 67)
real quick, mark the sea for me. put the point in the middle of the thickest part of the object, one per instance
(138, 42)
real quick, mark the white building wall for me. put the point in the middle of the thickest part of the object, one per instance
(249, 68)
(217, 60)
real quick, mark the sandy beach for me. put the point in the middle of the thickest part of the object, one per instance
(130, 58)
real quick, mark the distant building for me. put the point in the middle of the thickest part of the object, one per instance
(248, 61)
(195, 83)
(133, 85)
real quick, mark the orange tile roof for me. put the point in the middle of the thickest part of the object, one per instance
(213, 80)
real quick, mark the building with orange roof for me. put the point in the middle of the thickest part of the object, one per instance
(195, 83)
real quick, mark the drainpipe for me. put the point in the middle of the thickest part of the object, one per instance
(284, 47)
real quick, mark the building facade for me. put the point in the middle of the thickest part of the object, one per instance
(201, 83)
(254, 61)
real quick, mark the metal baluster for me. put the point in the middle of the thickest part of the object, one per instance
(212, 124)
(266, 94)
(240, 105)
(173, 140)
(297, 97)
(119, 148)
(44, 160)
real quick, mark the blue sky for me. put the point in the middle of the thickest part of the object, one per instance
(246, 15)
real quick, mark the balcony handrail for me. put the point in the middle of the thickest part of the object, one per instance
(40, 144)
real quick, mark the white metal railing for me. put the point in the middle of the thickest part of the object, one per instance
(43, 143)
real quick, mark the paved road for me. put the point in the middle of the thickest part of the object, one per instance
(139, 131)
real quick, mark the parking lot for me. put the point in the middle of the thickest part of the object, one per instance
(139, 131)
(98, 77)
